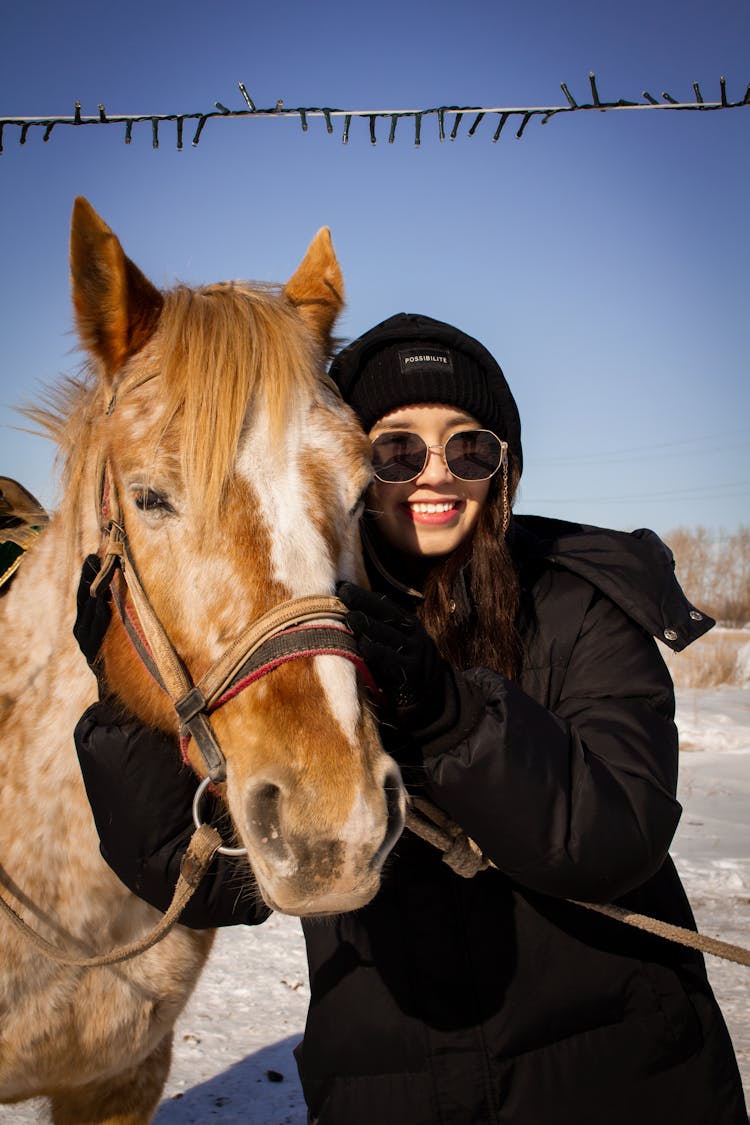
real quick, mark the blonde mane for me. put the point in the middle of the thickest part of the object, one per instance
(221, 349)
(258, 343)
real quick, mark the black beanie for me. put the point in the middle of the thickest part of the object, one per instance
(410, 359)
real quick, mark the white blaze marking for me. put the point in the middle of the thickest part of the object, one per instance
(339, 679)
(299, 555)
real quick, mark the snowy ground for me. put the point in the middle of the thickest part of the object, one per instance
(712, 845)
(233, 1046)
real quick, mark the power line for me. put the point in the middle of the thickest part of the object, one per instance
(698, 442)
(712, 489)
(623, 456)
(701, 492)
(498, 116)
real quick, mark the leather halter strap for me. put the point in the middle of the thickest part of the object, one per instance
(263, 645)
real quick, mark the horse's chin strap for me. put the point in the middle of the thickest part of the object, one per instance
(276, 637)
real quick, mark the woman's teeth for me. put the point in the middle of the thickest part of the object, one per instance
(429, 509)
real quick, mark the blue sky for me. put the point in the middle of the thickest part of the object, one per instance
(602, 257)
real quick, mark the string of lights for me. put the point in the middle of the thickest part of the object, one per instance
(451, 120)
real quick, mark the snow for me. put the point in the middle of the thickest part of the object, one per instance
(712, 846)
(743, 664)
(233, 1044)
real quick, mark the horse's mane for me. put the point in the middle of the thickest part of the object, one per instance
(248, 333)
(67, 413)
(264, 354)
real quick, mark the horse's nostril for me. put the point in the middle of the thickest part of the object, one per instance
(265, 818)
(267, 797)
(392, 782)
(394, 802)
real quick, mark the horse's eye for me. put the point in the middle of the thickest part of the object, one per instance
(356, 511)
(146, 500)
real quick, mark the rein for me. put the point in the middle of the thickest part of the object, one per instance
(465, 857)
(195, 863)
(293, 629)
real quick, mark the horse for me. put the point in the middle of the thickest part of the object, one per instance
(207, 456)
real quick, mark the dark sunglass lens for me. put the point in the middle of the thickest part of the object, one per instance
(473, 454)
(398, 457)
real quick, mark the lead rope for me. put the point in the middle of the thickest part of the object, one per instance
(425, 820)
(203, 846)
(466, 858)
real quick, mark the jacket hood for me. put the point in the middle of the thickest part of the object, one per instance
(635, 570)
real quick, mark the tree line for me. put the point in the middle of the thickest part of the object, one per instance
(714, 571)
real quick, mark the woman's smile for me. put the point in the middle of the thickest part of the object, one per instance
(434, 512)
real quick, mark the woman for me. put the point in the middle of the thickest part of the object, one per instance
(526, 698)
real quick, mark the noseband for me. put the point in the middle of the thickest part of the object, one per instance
(293, 629)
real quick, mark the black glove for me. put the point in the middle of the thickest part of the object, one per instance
(425, 698)
(93, 614)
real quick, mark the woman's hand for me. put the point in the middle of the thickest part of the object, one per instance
(93, 616)
(424, 696)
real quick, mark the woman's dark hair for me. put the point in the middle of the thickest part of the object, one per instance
(471, 598)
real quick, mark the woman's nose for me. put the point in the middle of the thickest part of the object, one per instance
(436, 469)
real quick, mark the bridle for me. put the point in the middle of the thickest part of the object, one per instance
(305, 626)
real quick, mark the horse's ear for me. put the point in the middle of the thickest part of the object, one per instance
(116, 307)
(317, 287)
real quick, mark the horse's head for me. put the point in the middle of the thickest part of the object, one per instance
(236, 475)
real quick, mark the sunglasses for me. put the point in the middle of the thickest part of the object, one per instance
(400, 456)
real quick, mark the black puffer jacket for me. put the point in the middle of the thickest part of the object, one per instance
(495, 1000)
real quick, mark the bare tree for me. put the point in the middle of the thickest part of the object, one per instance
(714, 571)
